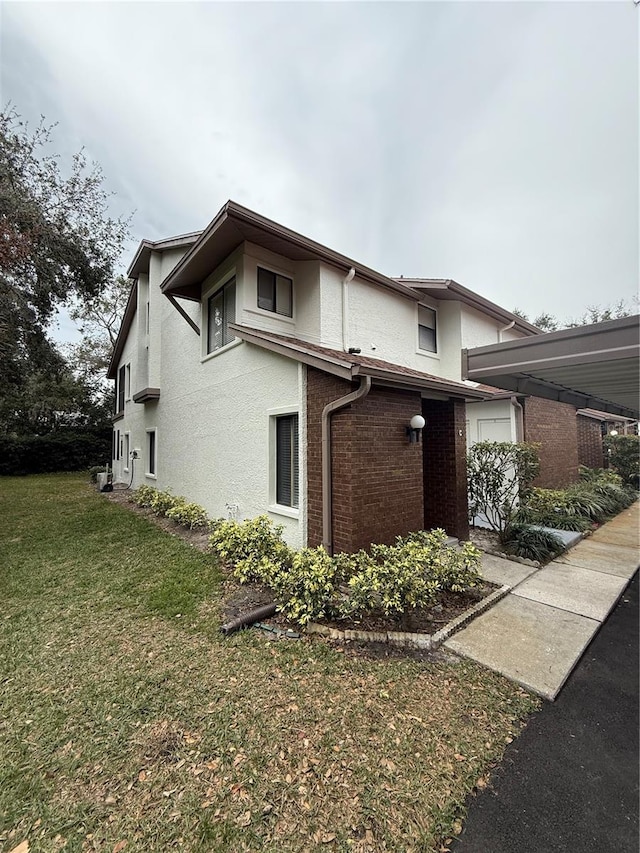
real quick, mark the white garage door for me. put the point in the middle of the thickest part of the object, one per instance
(494, 429)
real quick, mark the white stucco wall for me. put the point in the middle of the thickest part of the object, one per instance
(212, 421)
(478, 330)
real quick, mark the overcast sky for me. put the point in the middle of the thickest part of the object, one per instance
(493, 143)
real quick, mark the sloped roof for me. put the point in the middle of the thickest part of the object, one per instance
(448, 289)
(590, 367)
(351, 365)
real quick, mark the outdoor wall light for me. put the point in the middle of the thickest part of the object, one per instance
(416, 425)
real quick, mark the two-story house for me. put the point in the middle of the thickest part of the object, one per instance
(258, 371)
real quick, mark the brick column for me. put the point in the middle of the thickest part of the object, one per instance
(445, 467)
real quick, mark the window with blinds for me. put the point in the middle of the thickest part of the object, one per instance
(221, 310)
(275, 293)
(287, 460)
(427, 329)
(120, 403)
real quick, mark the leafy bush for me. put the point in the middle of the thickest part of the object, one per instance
(624, 456)
(308, 587)
(409, 574)
(599, 475)
(499, 474)
(255, 548)
(525, 541)
(162, 502)
(189, 515)
(143, 495)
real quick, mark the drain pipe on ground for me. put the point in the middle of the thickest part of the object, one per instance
(327, 485)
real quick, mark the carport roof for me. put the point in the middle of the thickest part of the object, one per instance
(595, 367)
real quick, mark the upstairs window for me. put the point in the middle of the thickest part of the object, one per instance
(221, 310)
(287, 461)
(427, 340)
(275, 293)
(120, 398)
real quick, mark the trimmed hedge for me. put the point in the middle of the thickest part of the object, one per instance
(66, 450)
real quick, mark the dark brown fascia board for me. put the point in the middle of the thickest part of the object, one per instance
(437, 287)
(127, 319)
(241, 215)
(140, 262)
(146, 395)
(117, 417)
(444, 387)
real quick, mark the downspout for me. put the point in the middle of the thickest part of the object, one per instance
(345, 307)
(505, 329)
(327, 486)
(517, 405)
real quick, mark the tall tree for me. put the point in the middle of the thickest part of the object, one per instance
(98, 319)
(57, 241)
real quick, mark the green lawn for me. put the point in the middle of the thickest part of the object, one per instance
(128, 722)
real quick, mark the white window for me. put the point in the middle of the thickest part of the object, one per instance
(286, 461)
(275, 293)
(221, 310)
(127, 450)
(427, 332)
(151, 453)
(120, 390)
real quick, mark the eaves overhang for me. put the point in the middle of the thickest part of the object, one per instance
(590, 367)
(447, 289)
(234, 225)
(127, 319)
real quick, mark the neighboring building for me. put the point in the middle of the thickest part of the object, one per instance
(237, 351)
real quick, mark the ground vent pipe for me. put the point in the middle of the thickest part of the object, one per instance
(249, 618)
(327, 486)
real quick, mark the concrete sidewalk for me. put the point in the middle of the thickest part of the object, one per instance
(539, 631)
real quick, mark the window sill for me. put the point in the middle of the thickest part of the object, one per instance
(272, 315)
(217, 352)
(150, 476)
(288, 511)
(428, 354)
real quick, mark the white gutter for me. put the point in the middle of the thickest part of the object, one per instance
(327, 486)
(345, 307)
(505, 329)
(517, 405)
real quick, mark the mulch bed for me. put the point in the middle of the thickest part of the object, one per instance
(239, 599)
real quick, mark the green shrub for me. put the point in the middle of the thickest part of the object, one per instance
(525, 541)
(599, 475)
(308, 587)
(624, 456)
(254, 548)
(162, 502)
(143, 495)
(189, 515)
(410, 574)
(499, 474)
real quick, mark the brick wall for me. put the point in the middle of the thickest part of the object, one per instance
(445, 473)
(590, 449)
(377, 474)
(554, 426)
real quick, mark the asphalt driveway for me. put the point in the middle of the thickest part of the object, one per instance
(570, 782)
